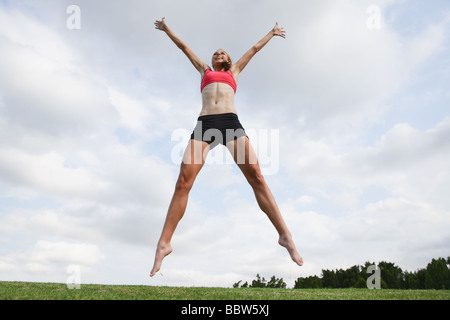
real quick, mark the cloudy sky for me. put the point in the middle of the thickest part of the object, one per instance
(349, 115)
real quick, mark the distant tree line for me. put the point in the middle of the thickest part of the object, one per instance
(262, 283)
(435, 276)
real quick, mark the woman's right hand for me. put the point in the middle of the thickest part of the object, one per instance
(160, 25)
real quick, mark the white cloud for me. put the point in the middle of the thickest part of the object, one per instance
(46, 251)
(403, 155)
(48, 173)
(6, 267)
(49, 259)
(428, 42)
(59, 93)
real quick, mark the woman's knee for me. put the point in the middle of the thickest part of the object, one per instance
(185, 179)
(255, 177)
(183, 184)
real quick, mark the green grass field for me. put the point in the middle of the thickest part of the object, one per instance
(57, 291)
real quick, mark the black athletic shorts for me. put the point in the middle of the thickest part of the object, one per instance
(218, 128)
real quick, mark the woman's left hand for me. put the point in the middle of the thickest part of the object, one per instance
(277, 31)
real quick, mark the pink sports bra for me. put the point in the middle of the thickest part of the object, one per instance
(218, 76)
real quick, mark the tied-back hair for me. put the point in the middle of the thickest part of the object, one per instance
(227, 64)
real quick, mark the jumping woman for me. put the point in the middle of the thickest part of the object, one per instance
(218, 123)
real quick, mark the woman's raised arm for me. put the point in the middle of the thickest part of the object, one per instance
(242, 62)
(195, 60)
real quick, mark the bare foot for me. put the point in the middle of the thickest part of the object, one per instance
(161, 253)
(286, 241)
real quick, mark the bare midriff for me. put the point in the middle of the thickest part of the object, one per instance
(217, 98)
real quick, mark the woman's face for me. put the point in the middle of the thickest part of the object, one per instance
(219, 58)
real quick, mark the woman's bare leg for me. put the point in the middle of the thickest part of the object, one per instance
(246, 159)
(193, 160)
